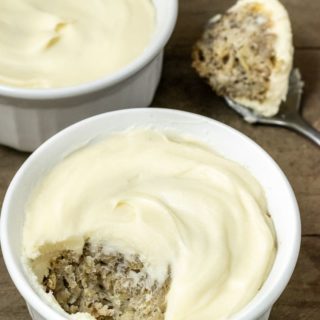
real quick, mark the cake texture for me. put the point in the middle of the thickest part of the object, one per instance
(106, 286)
(246, 54)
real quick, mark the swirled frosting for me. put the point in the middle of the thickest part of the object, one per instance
(46, 44)
(173, 201)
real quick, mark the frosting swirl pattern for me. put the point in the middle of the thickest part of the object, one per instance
(48, 44)
(173, 201)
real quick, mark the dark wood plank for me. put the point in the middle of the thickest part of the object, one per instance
(301, 300)
(193, 16)
(180, 88)
(10, 161)
(305, 22)
(12, 306)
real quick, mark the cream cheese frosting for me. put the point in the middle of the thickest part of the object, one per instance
(279, 79)
(48, 44)
(173, 201)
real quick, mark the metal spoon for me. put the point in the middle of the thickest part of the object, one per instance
(289, 115)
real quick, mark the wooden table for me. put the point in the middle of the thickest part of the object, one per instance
(300, 159)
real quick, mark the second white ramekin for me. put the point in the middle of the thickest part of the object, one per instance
(28, 117)
(230, 143)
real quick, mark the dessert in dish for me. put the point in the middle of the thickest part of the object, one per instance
(49, 44)
(247, 54)
(148, 225)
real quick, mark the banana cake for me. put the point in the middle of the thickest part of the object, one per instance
(105, 285)
(246, 54)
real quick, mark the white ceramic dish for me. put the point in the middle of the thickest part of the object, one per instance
(227, 141)
(30, 116)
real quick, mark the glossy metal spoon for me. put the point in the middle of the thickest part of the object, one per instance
(289, 115)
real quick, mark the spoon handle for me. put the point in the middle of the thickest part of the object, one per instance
(297, 123)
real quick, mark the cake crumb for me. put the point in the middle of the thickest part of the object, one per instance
(236, 53)
(106, 286)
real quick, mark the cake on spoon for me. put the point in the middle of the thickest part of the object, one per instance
(246, 54)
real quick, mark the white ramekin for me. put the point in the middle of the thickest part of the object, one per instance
(227, 141)
(30, 116)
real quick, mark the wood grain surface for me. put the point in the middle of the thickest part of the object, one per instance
(180, 88)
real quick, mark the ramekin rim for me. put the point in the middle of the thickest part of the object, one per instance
(248, 312)
(152, 50)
